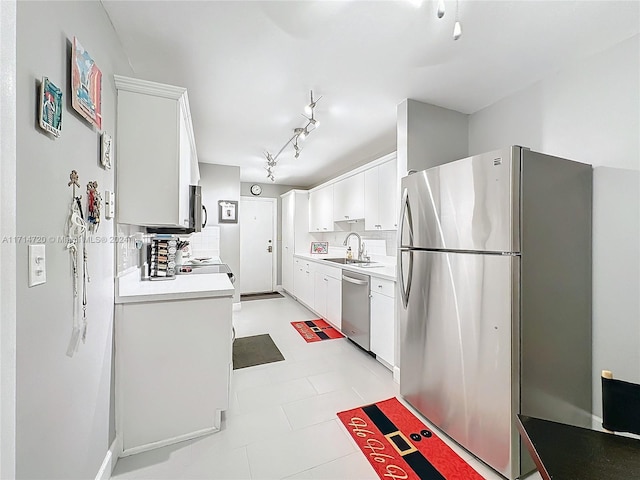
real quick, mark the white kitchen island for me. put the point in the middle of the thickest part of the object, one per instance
(173, 358)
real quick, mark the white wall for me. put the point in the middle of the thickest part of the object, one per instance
(589, 112)
(222, 182)
(64, 416)
(7, 230)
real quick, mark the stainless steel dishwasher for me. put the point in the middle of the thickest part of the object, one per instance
(356, 308)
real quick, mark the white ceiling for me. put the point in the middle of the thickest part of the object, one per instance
(249, 65)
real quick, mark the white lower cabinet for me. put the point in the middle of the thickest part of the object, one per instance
(328, 294)
(303, 282)
(173, 360)
(383, 319)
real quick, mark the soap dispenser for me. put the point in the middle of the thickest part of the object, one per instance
(349, 254)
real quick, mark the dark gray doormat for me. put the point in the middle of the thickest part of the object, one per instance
(260, 296)
(255, 350)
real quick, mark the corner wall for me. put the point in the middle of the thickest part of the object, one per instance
(222, 182)
(590, 112)
(64, 422)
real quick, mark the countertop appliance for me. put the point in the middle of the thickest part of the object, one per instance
(356, 308)
(494, 266)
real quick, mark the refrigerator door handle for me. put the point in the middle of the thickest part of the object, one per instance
(405, 212)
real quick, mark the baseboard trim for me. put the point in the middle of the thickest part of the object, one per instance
(396, 374)
(169, 441)
(237, 306)
(110, 460)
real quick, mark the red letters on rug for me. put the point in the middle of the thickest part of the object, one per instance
(316, 330)
(399, 446)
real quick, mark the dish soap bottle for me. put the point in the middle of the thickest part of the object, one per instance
(349, 254)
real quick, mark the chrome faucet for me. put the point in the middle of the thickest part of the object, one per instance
(360, 244)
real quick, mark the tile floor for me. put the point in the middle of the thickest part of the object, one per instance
(282, 421)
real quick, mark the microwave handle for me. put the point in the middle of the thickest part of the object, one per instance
(205, 216)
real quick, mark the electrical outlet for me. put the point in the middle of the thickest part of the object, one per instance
(37, 265)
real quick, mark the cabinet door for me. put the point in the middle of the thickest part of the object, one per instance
(299, 279)
(321, 210)
(388, 201)
(287, 242)
(348, 198)
(334, 302)
(382, 327)
(184, 176)
(321, 287)
(315, 209)
(371, 199)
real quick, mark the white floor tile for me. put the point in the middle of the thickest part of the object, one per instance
(287, 454)
(320, 408)
(274, 394)
(219, 464)
(354, 467)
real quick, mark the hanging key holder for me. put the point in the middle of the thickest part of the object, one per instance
(94, 201)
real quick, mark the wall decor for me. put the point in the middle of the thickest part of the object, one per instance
(50, 111)
(227, 211)
(319, 247)
(105, 150)
(86, 85)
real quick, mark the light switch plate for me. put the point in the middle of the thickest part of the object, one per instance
(109, 204)
(37, 265)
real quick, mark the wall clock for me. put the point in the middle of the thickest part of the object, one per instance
(256, 189)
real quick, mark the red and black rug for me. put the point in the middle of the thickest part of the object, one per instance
(398, 445)
(316, 330)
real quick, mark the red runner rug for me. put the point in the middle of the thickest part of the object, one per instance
(316, 330)
(399, 446)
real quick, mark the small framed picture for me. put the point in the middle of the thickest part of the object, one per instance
(50, 111)
(319, 247)
(227, 211)
(106, 150)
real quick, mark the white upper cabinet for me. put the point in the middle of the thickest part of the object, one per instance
(156, 154)
(381, 202)
(321, 210)
(348, 198)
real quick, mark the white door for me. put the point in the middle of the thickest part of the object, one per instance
(257, 238)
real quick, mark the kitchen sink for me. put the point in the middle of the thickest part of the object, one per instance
(357, 263)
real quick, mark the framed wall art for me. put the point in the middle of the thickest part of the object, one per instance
(50, 109)
(86, 85)
(227, 211)
(320, 247)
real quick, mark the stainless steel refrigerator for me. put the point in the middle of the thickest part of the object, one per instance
(494, 266)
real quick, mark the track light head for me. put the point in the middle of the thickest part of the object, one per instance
(457, 30)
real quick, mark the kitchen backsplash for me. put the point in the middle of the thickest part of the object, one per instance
(205, 243)
(376, 247)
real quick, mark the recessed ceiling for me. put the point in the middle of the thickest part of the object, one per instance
(249, 66)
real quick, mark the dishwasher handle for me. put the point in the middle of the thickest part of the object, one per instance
(354, 281)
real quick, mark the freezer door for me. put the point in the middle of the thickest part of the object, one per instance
(470, 204)
(456, 350)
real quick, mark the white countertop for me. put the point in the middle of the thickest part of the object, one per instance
(131, 289)
(387, 271)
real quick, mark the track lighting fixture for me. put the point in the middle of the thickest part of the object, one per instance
(299, 133)
(457, 26)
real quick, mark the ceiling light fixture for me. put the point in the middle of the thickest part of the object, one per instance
(457, 26)
(299, 133)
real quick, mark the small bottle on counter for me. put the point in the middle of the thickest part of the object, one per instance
(349, 254)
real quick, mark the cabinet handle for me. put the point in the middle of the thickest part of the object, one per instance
(379, 286)
(326, 279)
(324, 228)
(346, 216)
